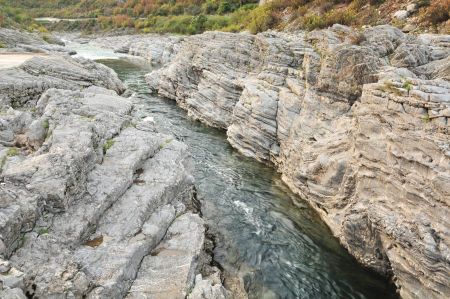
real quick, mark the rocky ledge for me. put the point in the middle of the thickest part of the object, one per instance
(18, 41)
(356, 122)
(94, 202)
(154, 48)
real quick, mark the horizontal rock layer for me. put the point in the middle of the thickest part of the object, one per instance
(23, 86)
(18, 41)
(94, 203)
(356, 122)
(156, 49)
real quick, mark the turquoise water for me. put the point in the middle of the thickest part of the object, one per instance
(265, 234)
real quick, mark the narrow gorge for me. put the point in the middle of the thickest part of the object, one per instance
(109, 190)
(357, 124)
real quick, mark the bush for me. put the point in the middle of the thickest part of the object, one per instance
(209, 7)
(232, 28)
(224, 7)
(107, 145)
(260, 19)
(341, 16)
(217, 22)
(423, 3)
(197, 24)
(312, 22)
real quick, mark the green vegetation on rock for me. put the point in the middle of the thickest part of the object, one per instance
(108, 144)
(12, 152)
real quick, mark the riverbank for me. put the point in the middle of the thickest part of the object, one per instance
(268, 241)
(357, 123)
(306, 104)
(95, 202)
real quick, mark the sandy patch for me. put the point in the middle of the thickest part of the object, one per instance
(8, 60)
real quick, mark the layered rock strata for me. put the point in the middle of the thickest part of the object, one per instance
(94, 202)
(156, 49)
(24, 85)
(12, 40)
(356, 122)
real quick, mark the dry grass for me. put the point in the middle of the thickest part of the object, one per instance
(437, 12)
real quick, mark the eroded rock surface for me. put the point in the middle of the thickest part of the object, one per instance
(156, 49)
(19, 41)
(94, 202)
(23, 86)
(356, 122)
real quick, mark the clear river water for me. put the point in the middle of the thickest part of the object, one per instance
(265, 233)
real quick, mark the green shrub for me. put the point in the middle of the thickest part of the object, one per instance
(45, 124)
(209, 7)
(108, 144)
(341, 16)
(232, 28)
(217, 22)
(46, 38)
(407, 85)
(312, 22)
(43, 231)
(224, 7)
(12, 152)
(197, 24)
(260, 19)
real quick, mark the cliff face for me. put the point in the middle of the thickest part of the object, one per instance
(356, 122)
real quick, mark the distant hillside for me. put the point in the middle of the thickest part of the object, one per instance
(410, 15)
(132, 8)
(196, 16)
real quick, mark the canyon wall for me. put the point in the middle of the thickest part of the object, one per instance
(356, 122)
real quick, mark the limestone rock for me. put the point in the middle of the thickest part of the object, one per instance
(88, 191)
(156, 49)
(207, 288)
(356, 122)
(175, 259)
(411, 8)
(20, 41)
(401, 14)
(23, 85)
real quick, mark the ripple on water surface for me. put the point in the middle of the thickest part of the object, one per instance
(267, 235)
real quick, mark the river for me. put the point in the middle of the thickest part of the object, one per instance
(264, 233)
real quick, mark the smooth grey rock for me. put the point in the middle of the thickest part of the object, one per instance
(37, 133)
(21, 41)
(411, 7)
(92, 189)
(354, 121)
(8, 293)
(207, 288)
(5, 266)
(156, 49)
(24, 85)
(12, 279)
(401, 14)
(175, 261)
